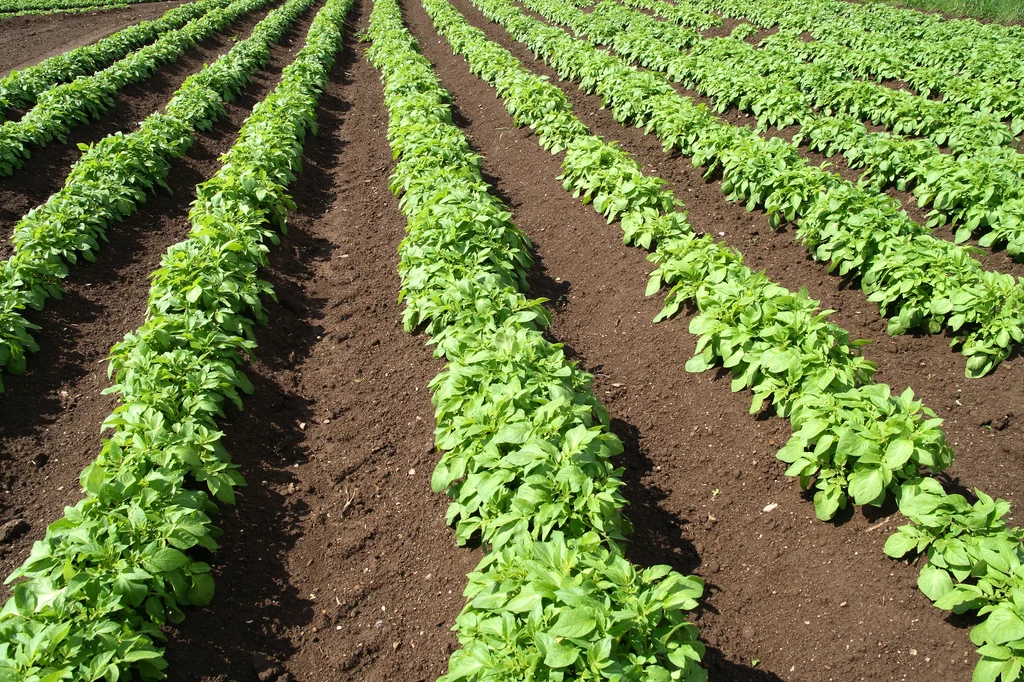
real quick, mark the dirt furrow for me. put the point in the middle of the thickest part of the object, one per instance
(809, 601)
(997, 260)
(30, 39)
(336, 563)
(52, 415)
(983, 417)
(47, 170)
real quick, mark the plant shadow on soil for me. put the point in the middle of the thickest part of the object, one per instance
(266, 441)
(658, 535)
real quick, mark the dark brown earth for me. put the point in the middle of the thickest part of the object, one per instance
(336, 563)
(30, 39)
(47, 169)
(744, 552)
(52, 416)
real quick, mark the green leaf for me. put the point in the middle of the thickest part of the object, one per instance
(166, 560)
(697, 364)
(898, 453)
(866, 486)
(574, 623)
(827, 502)
(900, 543)
(1004, 625)
(934, 582)
(201, 593)
(561, 656)
(987, 671)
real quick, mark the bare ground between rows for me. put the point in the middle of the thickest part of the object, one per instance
(336, 563)
(30, 39)
(700, 470)
(983, 417)
(996, 259)
(47, 170)
(52, 414)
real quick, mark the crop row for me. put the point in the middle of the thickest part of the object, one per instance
(116, 566)
(979, 193)
(963, 59)
(70, 10)
(10, 8)
(849, 435)
(21, 88)
(63, 107)
(113, 177)
(919, 281)
(526, 445)
(821, 84)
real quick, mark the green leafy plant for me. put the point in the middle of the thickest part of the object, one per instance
(91, 597)
(526, 448)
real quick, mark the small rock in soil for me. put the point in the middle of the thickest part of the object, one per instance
(265, 668)
(272, 673)
(12, 529)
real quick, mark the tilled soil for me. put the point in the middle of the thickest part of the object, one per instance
(55, 429)
(708, 472)
(336, 564)
(30, 39)
(47, 169)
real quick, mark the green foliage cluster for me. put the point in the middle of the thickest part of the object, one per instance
(851, 437)
(527, 452)
(21, 88)
(97, 588)
(63, 107)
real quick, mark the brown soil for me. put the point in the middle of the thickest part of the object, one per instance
(336, 563)
(47, 169)
(32, 38)
(51, 425)
(681, 450)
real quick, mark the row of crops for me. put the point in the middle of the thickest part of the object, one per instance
(527, 449)
(852, 437)
(17, 8)
(107, 575)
